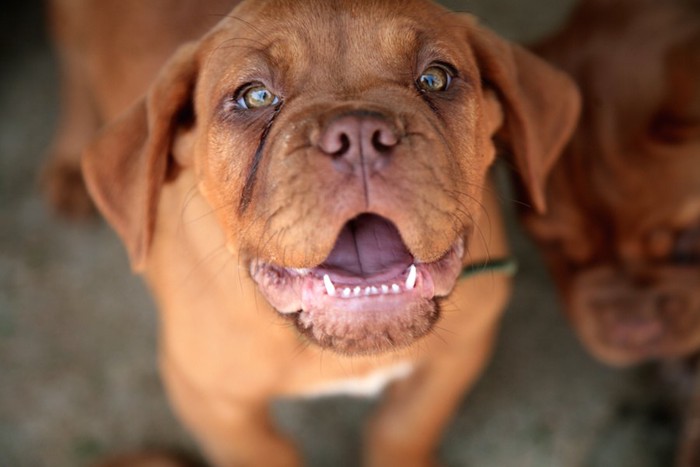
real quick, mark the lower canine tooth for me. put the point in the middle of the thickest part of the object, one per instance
(330, 288)
(385, 288)
(346, 292)
(395, 288)
(411, 279)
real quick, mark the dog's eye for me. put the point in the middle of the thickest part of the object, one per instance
(434, 78)
(256, 97)
(686, 249)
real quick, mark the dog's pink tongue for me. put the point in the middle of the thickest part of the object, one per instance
(368, 246)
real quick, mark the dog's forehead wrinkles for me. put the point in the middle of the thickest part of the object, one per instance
(640, 199)
(340, 56)
(341, 43)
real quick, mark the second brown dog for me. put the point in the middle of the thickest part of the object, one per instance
(622, 234)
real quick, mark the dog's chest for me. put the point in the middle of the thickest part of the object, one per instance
(368, 385)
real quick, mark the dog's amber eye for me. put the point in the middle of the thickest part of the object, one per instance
(256, 97)
(434, 79)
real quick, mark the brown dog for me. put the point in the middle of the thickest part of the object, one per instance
(313, 176)
(622, 233)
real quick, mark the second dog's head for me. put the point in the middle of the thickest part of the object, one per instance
(344, 148)
(622, 233)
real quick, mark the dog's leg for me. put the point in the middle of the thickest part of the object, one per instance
(409, 425)
(233, 430)
(78, 122)
(243, 435)
(689, 445)
(62, 181)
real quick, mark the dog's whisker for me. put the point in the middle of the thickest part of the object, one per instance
(222, 46)
(202, 261)
(216, 274)
(211, 210)
(302, 346)
(477, 225)
(437, 332)
(190, 195)
(244, 22)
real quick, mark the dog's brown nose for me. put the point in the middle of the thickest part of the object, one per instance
(640, 317)
(359, 140)
(628, 320)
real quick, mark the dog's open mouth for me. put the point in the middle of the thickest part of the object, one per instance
(370, 295)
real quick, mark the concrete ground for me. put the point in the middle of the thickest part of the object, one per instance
(77, 330)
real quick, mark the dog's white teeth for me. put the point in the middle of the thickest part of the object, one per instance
(330, 288)
(412, 276)
(460, 248)
(368, 291)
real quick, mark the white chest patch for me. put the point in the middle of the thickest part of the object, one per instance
(370, 385)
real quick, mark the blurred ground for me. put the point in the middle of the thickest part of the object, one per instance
(77, 331)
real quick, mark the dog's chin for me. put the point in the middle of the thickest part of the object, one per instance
(369, 296)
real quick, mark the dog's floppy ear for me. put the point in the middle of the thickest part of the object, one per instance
(541, 106)
(125, 167)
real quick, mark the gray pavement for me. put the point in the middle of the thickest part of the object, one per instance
(78, 332)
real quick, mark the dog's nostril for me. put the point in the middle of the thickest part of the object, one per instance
(358, 140)
(343, 145)
(383, 140)
(335, 143)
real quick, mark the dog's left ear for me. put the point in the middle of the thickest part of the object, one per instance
(541, 106)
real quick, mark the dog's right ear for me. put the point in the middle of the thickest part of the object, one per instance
(541, 106)
(126, 166)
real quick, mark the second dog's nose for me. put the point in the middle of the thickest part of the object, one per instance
(359, 139)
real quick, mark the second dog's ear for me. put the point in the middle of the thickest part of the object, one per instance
(541, 106)
(126, 166)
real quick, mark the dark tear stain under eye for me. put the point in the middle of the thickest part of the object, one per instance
(247, 192)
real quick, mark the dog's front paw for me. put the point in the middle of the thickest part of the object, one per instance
(64, 188)
(391, 458)
(146, 459)
(385, 455)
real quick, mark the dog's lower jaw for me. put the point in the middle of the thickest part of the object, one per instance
(380, 329)
(361, 316)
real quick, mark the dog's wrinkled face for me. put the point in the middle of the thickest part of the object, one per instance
(344, 149)
(352, 172)
(622, 234)
(629, 264)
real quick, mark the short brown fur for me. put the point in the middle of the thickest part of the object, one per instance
(623, 231)
(197, 189)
